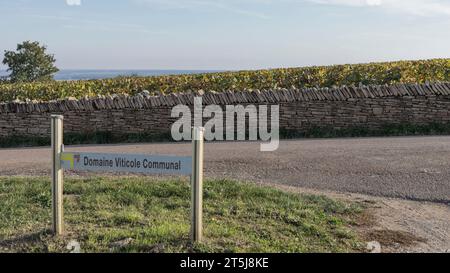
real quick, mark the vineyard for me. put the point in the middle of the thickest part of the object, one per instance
(317, 76)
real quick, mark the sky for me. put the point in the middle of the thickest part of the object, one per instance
(227, 34)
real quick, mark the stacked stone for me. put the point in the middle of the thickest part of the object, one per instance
(146, 101)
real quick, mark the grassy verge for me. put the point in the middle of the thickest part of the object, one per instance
(84, 138)
(141, 214)
(405, 129)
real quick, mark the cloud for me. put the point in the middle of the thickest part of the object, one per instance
(96, 25)
(73, 2)
(253, 7)
(241, 7)
(413, 7)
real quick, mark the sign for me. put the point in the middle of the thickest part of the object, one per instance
(126, 163)
(150, 164)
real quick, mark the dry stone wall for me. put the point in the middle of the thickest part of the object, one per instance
(300, 109)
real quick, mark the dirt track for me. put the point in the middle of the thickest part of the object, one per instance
(415, 168)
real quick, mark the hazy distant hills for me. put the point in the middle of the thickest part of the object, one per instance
(90, 74)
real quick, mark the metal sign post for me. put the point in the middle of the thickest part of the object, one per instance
(197, 185)
(148, 164)
(57, 174)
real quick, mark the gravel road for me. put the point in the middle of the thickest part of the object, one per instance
(416, 168)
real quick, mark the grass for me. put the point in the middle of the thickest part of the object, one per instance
(141, 214)
(85, 138)
(403, 129)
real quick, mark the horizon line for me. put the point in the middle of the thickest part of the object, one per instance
(251, 69)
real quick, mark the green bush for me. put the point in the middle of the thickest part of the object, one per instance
(323, 76)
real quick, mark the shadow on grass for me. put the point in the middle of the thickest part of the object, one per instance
(26, 242)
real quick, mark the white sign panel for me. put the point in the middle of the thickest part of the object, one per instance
(126, 163)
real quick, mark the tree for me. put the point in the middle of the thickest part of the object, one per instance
(30, 63)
